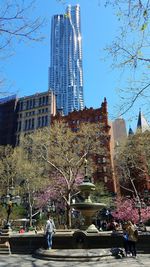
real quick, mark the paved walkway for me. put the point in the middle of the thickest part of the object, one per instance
(28, 261)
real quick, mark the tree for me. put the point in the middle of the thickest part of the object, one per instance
(16, 25)
(132, 164)
(126, 210)
(8, 172)
(130, 50)
(63, 152)
(31, 180)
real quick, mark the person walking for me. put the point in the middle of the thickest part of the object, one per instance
(49, 231)
(132, 233)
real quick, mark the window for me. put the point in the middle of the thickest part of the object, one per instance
(29, 124)
(21, 106)
(105, 179)
(47, 100)
(46, 120)
(25, 127)
(104, 169)
(99, 160)
(39, 121)
(32, 124)
(33, 103)
(43, 100)
(104, 160)
(27, 104)
(42, 121)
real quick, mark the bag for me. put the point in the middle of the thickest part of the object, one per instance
(125, 236)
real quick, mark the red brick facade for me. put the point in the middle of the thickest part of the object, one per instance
(103, 165)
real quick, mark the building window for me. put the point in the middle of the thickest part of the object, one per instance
(33, 103)
(104, 169)
(104, 160)
(21, 106)
(25, 127)
(39, 121)
(43, 100)
(105, 179)
(32, 124)
(46, 120)
(42, 121)
(27, 104)
(29, 124)
(99, 160)
(47, 100)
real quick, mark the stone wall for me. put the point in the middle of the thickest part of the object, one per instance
(29, 243)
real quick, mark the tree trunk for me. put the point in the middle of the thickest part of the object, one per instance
(68, 216)
(30, 215)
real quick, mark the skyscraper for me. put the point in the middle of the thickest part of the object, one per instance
(66, 73)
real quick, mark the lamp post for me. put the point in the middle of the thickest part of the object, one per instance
(8, 201)
(50, 207)
(139, 205)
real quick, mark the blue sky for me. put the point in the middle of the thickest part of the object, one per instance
(27, 69)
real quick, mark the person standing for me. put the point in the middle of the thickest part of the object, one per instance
(132, 237)
(125, 239)
(49, 231)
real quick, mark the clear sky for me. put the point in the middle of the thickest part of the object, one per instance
(27, 69)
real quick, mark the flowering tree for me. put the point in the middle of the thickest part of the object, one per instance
(126, 210)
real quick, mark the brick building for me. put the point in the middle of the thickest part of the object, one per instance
(103, 164)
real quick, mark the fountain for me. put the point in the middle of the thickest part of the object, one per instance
(87, 208)
(73, 244)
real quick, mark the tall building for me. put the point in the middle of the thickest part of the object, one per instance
(66, 72)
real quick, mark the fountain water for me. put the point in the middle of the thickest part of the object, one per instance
(87, 208)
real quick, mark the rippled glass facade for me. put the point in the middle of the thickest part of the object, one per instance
(66, 72)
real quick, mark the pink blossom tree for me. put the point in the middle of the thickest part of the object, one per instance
(126, 210)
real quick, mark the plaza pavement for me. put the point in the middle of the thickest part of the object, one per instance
(14, 260)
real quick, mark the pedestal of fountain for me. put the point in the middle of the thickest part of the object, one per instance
(87, 208)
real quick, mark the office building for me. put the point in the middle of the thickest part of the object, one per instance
(34, 112)
(66, 72)
(25, 115)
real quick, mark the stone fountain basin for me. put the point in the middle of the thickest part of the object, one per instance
(88, 206)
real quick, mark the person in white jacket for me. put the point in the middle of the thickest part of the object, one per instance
(49, 231)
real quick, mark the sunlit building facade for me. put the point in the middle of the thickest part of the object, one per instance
(66, 72)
